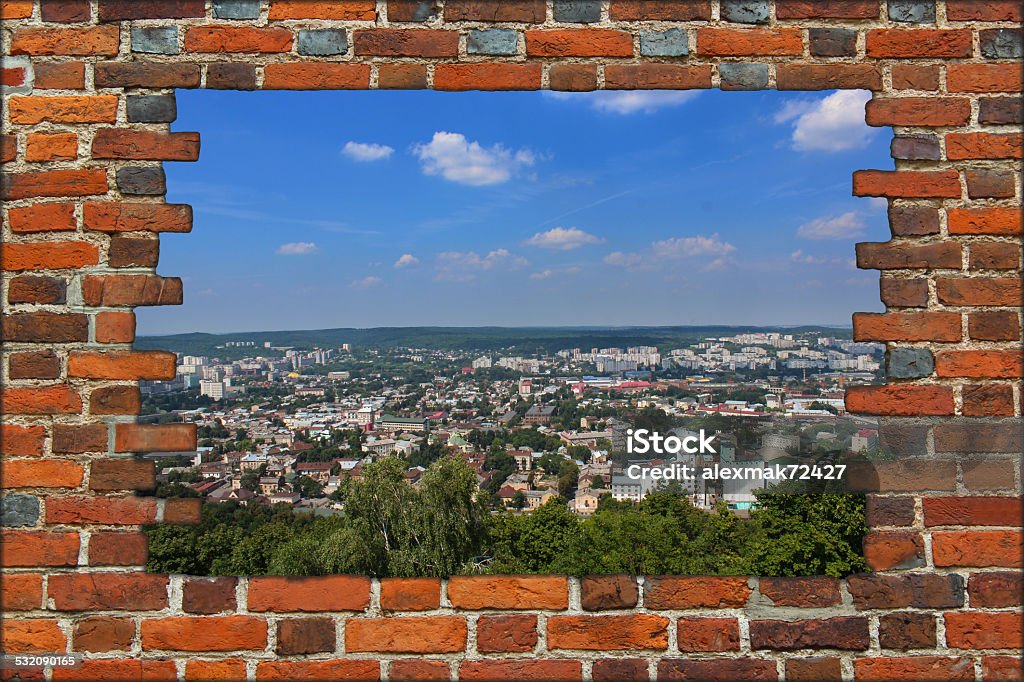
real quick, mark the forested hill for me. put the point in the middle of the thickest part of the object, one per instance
(467, 338)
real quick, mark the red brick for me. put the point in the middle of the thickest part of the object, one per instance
(907, 184)
(410, 594)
(915, 77)
(108, 548)
(601, 593)
(146, 75)
(122, 474)
(886, 550)
(828, 77)
(227, 669)
(889, 511)
(56, 399)
(16, 9)
(420, 670)
(843, 632)
(900, 401)
(984, 146)
(994, 221)
(130, 252)
(184, 510)
(137, 217)
(84, 109)
(231, 76)
(79, 438)
(65, 11)
(1000, 548)
(909, 221)
(55, 147)
(835, 9)
(534, 670)
(154, 437)
(680, 592)
(983, 78)
(980, 364)
(133, 290)
(114, 327)
(996, 590)
(305, 636)
(36, 289)
(656, 77)
(816, 592)
(987, 400)
(209, 595)
(620, 670)
(529, 11)
(608, 633)
(345, 10)
(8, 148)
(21, 592)
(334, 670)
(708, 634)
(43, 364)
(908, 630)
(103, 510)
(973, 511)
(918, 590)
(78, 42)
(1005, 668)
(989, 474)
(503, 634)
(12, 77)
(329, 593)
(977, 436)
(985, 183)
(403, 42)
(906, 474)
(116, 10)
(42, 473)
(93, 670)
(60, 76)
(457, 77)
(813, 669)
(108, 591)
(907, 326)
(980, 630)
(918, 43)
(890, 256)
(903, 293)
(509, 592)
(991, 255)
(44, 326)
(38, 548)
(573, 77)
(659, 10)
(746, 669)
(416, 635)
(402, 76)
(22, 440)
(918, 111)
(987, 10)
(578, 42)
(204, 633)
(54, 183)
(144, 145)
(240, 39)
(31, 636)
(748, 42)
(311, 76)
(52, 217)
(122, 365)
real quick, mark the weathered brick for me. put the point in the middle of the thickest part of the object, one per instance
(310, 76)
(108, 591)
(48, 255)
(229, 76)
(913, 221)
(43, 147)
(915, 147)
(896, 43)
(1000, 110)
(832, 42)
(146, 75)
(141, 180)
(1001, 43)
(745, 11)
(987, 400)
(1001, 548)
(577, 11)
(115, 548)
(103, 633)
(19, 510)
(42, 473)
(915, 77)
(980, 630)
(36, 289)
(907, 630)
(816, 592)
(828, 77)
(344, 10)
(761, 42)
(38, 548)
(894, 256)
(77, 42)
(673, 42)
(402, 76)
(236, 9)
(907, 326)
(656, 76)
(122, 365)
(209, 595)
(740, 668)
(394, 42)
(65, 11)
(995, 589)
(991, 10)
(907, 184)
(986, 183)
(984, 146)
(133, 290)
(122, 474)
(154, 437)
(578, 42)
(114, 511)
(117, 10)
(237, 39)
(305, 636)
(843, 632)
(52, 217)
(608, 633)
(509, 592)
(79, 438)
(990, 255)
(708, 634)
(973, 511)
(323, 42)
(31, 636)
(993, 325)
(55, 183)
(836, 9)
(979, 291)
(60, 76)
(889, 511)
(487, 77)
(893, 549)
(21, 591)
(671, 592)
(909, 363)
(983, 78)
(903, 293)
(132, 252)
(978, 436)
(333, 669)
(415, 635)
(496, 41)
(137, 217)
(42, 364)
(45, 327)
(144, 145)
(155, 39)
(620, 669)
(529, 11)
(573, 77)
(912, 11)
(151, 108)
(813, 669)
(600, 593)
(504, 634)
(411, 10)
(918, 111)
(736, 76)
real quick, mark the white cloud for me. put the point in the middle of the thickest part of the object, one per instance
(367, 151)
(366, 282)
(543, 274)
(563, 238)
(832, 124)
(297, 249)
(455, 158)
(625, 102)
(460, 266)
(845, 226)
(406, 260)
(688, 247)
(799, 256)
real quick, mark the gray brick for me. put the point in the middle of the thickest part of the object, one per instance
(912, 11)
(323, 42)
(1001, 43)
(745, 11)
(915, 147)
(909, 363)
(151, 108)
(833, 42)
(19, 510)
(236, 9)
(155, 39)
(502, 41)
(145, 180)
(670, 43)
(743, 76)
(577, 11)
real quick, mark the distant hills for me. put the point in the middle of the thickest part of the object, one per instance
(481, 339)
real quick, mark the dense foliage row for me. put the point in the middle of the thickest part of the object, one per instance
(442, 528)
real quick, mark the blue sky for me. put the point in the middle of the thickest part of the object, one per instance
(361, 209)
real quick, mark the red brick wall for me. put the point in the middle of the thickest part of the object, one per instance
(84, 208)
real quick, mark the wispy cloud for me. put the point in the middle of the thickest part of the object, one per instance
(711, 248)
(297, 249)
(366, 282)
(832, 124)
(367, 151)
(406, 260)
(845, 226)
(457, 159)
(461, 266)
(625, 102)
(563, 239)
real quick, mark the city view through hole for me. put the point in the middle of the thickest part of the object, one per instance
(506, 287)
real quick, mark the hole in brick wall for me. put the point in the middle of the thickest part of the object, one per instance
(576, 222)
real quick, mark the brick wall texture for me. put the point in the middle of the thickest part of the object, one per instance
(88, 97)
